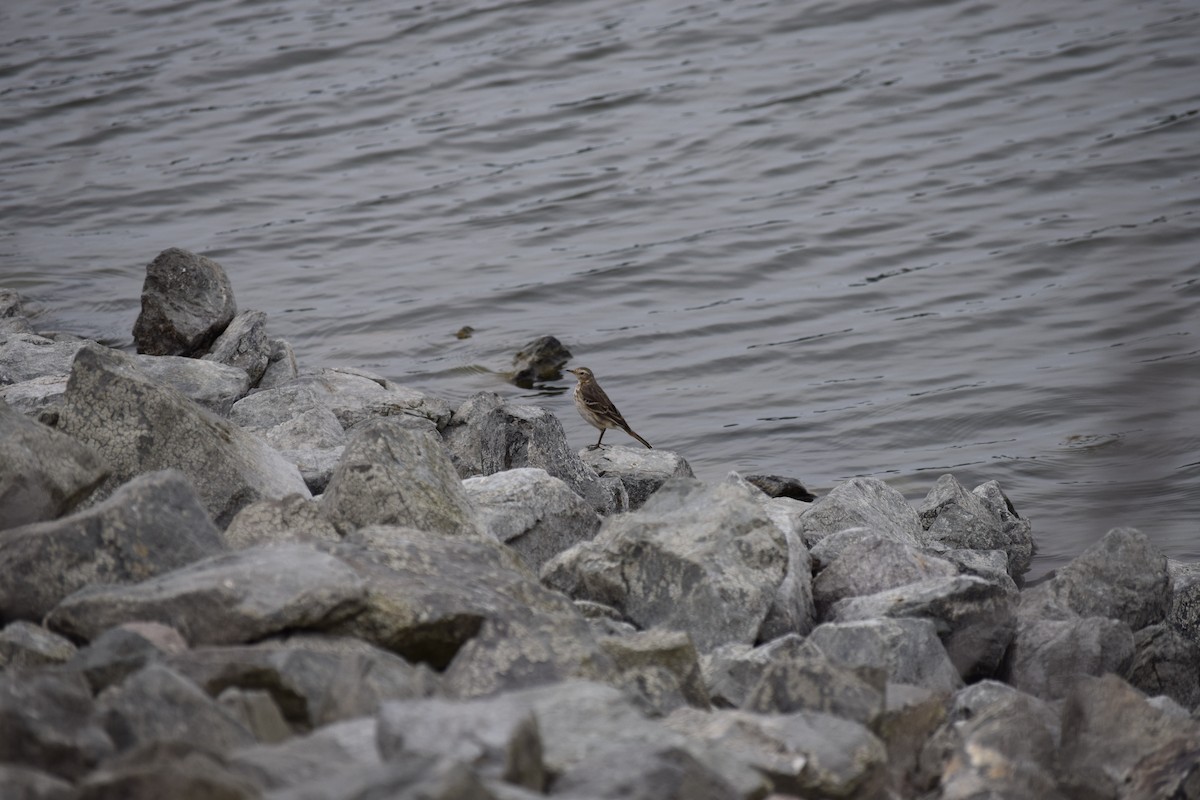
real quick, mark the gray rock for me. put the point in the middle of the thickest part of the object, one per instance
(582, 724)
(731, 671)
(1048, 657)
(660, 668)
(908, 650)
(1017, 532)
(497, 737)
(640, 471)
(356, 395)
(532, 512)
(1184, 611)
(157, 704)
(954, 518)
(176, 769)
(244, 345)
(214, 386)
(411, 778)
(863, 503)
(911, 716)
(43, 474)
(341, 746)
(12, 313)
(1005, 752)
(468, 607)
(25, 783)
(24, 645)
(991, 565)
(1123, 576)
(153, 524)
(806, 754)
(487, 436)
(393, 475)
(975, 619)
(703, 560)
(187, 301)
(873, 564)
(137, 425)
(1166, 663)
(793, 609)
(1115, 744)
(780, 486)
(311, 685)
(289, 519)
(281, 365)
(255, 710)
(226, 599)
(123, 650)
(635, 772)
(809, 681)
(46, 723)
(294, 420)
(826, 550)
(37, 398)
(540, 360)
(27, 356)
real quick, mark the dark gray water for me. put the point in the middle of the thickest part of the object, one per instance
(822, 239)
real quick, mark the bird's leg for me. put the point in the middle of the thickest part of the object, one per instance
(598, 441)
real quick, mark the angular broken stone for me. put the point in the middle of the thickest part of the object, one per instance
(187, 300)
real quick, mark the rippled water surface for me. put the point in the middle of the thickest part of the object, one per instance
(821, 239)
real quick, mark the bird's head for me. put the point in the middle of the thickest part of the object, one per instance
(583, 374)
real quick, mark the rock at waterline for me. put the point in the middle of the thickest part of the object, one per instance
(187, 301)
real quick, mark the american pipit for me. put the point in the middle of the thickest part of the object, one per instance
(595, 407)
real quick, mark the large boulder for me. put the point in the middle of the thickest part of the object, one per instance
(43, 473)
(392, 474)
(295, 421)
(153, 524)
(498, 737)
(659, 668)
(803, 754)
(46, 722)
(703, 560)
(975, 618)
(872, 564)
(532, 512)
(187, 300)
(956, 519)
(290, 519)
(244, 345)
(589, 732)
(225, 599)
(488, 435)
(137, 425)
(300, 761)
(1123, 576)
(157, 704)
(863, 503)
(24, 645)
(1048, 657)
(640, 471)
(356, 395)
(312, 681)
(468, 607)
(1116, 744)
(809, 681)
(908, 650)
(215, 386)
(1167, 663)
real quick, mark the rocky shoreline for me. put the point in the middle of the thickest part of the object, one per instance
(223, 576)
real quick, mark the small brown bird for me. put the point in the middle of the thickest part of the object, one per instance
(595, 407)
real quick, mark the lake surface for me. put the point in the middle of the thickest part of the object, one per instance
(818, 239)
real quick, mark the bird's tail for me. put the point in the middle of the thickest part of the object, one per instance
(640, 439)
